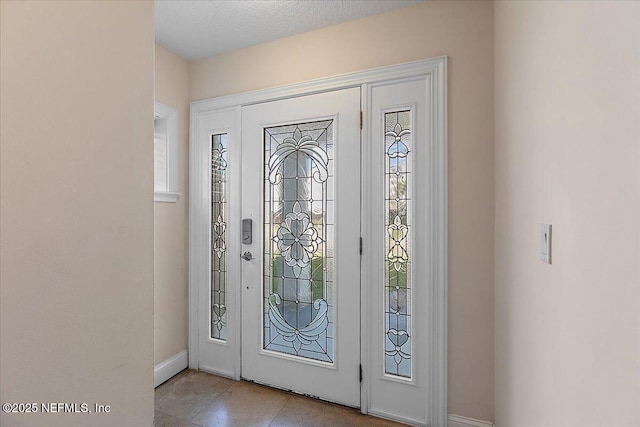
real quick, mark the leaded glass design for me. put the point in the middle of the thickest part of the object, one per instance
(298, 241)
(219, 236)
(397, 278)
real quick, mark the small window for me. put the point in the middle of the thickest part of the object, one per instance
(219, 196)
(398, 206)
(165, 154)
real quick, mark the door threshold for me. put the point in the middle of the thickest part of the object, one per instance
(297, 393)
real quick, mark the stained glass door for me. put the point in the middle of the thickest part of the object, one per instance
(301, 290)
(298, 244)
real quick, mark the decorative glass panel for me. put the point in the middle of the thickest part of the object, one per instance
(397, 279)
(298, 241)
(219, 236)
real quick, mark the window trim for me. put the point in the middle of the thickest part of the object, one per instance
(169, 114)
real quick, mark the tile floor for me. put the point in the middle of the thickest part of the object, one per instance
(195, 398)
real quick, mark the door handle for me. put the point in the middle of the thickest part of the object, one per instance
(247, 256)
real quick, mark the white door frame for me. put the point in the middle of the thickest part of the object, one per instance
(434, 71)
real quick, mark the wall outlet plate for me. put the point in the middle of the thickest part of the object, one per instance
(545, 243)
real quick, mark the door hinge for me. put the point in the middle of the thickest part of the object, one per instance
(361, 246)
(361, 119)
(360, 373)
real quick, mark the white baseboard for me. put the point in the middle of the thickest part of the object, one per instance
(460, 421)
(170, 367)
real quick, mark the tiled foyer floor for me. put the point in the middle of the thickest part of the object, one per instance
(195, 398)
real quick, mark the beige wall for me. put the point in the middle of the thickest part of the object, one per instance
(567, 153)
(172, 219)
(463, 31)
(77, 210)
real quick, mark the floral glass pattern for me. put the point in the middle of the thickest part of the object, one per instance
(397, 278)
(218, 314)
(298, 241)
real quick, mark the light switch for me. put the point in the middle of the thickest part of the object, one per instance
(545, 243)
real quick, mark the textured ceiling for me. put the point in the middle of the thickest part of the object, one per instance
(197, 29)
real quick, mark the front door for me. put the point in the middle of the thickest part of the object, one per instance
(283, 290)
(300, 296)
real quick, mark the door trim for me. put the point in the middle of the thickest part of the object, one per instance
(434, 71)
